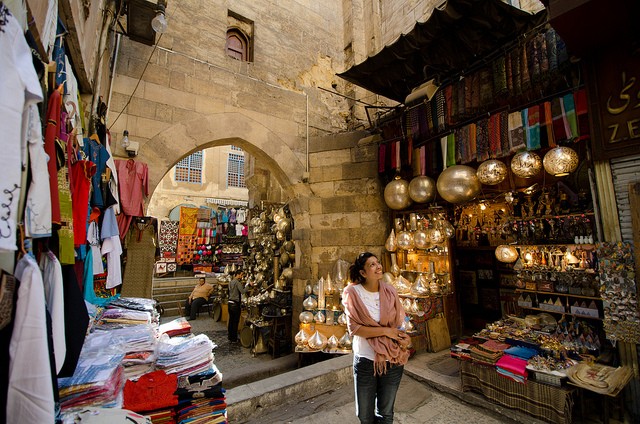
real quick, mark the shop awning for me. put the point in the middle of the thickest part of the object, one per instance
(458, 34)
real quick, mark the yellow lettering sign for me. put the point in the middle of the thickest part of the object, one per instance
(623, 96)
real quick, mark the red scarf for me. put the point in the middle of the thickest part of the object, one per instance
(391, 315)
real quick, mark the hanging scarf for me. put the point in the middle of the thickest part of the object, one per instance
(582, 116)
(569, 112)
(532, 127)
(495, 147)
(391, 315)
(516, 132)
(504, 134)
(482, 139)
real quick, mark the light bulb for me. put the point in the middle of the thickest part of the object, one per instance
(159, 23)
(125, 139)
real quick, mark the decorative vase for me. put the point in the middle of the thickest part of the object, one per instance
(391, 244)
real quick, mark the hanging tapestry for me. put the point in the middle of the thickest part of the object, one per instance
(168, 238)
(188, 220)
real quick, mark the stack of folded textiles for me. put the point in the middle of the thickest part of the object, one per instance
(488, 352)
(512, 368)
(201, 398)
(462, 349)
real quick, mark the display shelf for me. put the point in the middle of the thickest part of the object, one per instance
(562, 313)
(577, 296)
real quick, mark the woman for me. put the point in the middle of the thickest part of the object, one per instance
(374, 318)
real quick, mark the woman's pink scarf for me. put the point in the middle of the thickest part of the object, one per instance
(391, 315)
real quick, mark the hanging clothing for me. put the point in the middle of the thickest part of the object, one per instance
(19, 88)
(76, 319)
(37, 213)
(134, 188)
(97, 154)
(82, 172)
(54, 297)
(141, 254)
(30, 396)
(9, 286)
(93, 237)
(112, 185)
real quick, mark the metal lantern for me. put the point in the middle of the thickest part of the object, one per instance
(306, 317)
(405, 240)
(526, 164)
(492, 172)
(506, 253)
(458, 184)
(396, 194)
(560, 161)
(422, 189)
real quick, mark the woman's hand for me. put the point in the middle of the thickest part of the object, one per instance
(396, 334)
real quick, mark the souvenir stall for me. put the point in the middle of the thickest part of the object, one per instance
(323, 323)
(502, 145)
(201, 240)
(268, 256)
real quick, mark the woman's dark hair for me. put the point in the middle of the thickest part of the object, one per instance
(357, 266)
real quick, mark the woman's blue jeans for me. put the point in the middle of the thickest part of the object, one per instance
(375, 395)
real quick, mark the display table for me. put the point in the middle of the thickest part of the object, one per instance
(542, 401)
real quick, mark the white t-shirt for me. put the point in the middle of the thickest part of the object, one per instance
(360, 345)
(19, 88)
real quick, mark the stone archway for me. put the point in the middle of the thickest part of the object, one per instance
(271, 147)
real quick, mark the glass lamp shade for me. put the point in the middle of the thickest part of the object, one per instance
(306, 317)
(319, 317)
(345, 341)
(301, 337)
(458, 184)
(391, 244)
(332, 343)
(526, 164)
(492, 172)
(560, 161)
(422, 189)
(310, 303)
(506, 253)
(318, 341)
(405, 240)
(396, 194)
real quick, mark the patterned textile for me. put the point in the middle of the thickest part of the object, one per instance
(542, 401)
(580, 97)
(532, 127)
(186, 248)
(188, 221)
(168, 237)
(516, 132)
(482, 139)
(141, 252)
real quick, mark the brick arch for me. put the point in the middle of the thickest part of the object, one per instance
(255, 137)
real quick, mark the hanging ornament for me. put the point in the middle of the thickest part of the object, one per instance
(422, 189)
(420, 237)
(526, 164)
(458, 184)
(396, 194)
(391, 244)
(560, 161)
(492, 172)
(405, 240)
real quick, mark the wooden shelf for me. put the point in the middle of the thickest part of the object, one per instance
(563, 313)
(577, 296)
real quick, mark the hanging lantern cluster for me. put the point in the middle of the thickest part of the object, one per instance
(421, 232)
(271, 253)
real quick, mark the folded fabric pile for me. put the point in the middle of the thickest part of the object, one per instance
(202, 398)
(488, 352)
(97, 381)
(154, 395)
(521, 352)
(123, 316)
(462, 350)
(185, 355)
(177, 327)
(512, 368)
(600, 378)
(138, 342)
